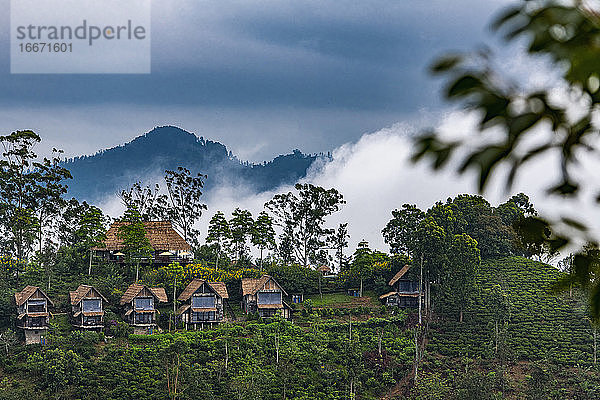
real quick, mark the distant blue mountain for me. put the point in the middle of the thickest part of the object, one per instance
(148, 156)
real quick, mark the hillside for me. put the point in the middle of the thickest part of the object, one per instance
(168, 147)
(539, 326)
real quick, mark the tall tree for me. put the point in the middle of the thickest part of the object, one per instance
(184, 195)
(136, 245)
(302, 218)
(30, 191)
(400, 231)
(240, 225)
(149, 201)
(218, 233)
(339, 242)
(48, 191)
(263, 234)
(463, 263)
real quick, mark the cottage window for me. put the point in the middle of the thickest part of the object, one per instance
(35, 306)
(144, 303)
(37, 322)
(91, 320)
(203, 302)
(203, 316)
(92, 305)
(143, 318)
(269, 298)
(408, 286)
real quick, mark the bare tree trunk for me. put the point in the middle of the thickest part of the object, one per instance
(276, 349)
(595, 344)
(320, 292)
(417, 358)
(226, 355)
(421, 292)
(361, 286)
(90, 266)
(496, 331)
(460, 316)
(380, 337)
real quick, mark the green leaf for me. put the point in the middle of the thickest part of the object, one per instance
(445, 63)
(463, 86)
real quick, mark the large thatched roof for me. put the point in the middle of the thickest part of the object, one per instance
(161, 235)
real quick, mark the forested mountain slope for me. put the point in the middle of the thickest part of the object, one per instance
(168, 147)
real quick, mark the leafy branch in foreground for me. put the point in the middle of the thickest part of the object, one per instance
(568, 35)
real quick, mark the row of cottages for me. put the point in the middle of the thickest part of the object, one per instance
(264, 296)
(203, 304)
(167, 243)
(405, 293)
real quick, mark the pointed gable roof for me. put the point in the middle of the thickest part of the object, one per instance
(252, 285)
(161, 235)
(81, 292)
(399, 275)
(25, 294)
(135, 288)
(218, 287)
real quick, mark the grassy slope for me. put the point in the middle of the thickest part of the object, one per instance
(542, 326)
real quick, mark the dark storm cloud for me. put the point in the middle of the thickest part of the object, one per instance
(261, 77)
(355, 55)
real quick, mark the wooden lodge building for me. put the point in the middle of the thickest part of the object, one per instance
(167, 243)
(405, 293)
(139, 303)
(204, 304)
(87, 308)
(265, 296)
(33, 315)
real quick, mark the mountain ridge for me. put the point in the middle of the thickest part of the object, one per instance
(167, 147)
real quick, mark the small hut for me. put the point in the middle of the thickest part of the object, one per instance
(204, 303)
(405, 293)
(139, 307)
(87, 311)
(33, 315)
(265, 296)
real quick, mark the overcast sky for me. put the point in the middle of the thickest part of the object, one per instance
(262, 77)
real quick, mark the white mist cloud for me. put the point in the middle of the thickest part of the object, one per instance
(375, 175)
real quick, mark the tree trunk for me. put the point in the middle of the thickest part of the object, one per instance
(416, 377)
(320, 292)
(421, 292)
(460, 316)
(137, 271)
(261, 256)
(174, 301)
(496, 332)
(595, 344)
(90, 266)
(361, 286)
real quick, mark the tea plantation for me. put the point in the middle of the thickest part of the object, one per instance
(538, 325)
